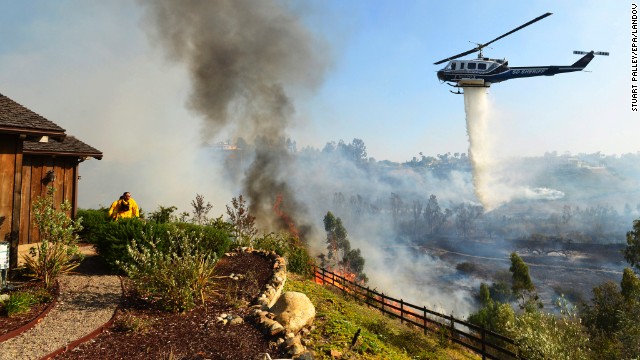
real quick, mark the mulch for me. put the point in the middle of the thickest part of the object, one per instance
(142, 331)
(16, 321)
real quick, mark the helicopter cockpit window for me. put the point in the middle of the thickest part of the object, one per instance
(482, 66)
(471, 66)
(452, 66)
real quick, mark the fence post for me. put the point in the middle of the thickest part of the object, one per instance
(401, 311)
(483, 337)
(382, 298)
(453, 334)
(368, 296)
(425, 319)
(323, 270)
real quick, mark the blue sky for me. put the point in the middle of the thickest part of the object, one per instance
(89, 67)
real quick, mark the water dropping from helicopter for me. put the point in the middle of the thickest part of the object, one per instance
(476, 110)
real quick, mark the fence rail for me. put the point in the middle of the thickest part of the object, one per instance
(488, 344)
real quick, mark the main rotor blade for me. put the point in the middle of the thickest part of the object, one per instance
(457, 56)
(480, 46)
(518, 28)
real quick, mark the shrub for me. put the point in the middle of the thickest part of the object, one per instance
(176, 274)
(58, 251)
(132, 324)
(543, 336)
(283, 244)
(467, 267)
(21, 301)
(92, 221)
(113, 238)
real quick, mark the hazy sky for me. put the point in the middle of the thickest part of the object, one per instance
(90, 67)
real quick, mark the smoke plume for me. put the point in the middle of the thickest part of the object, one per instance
(244, 57)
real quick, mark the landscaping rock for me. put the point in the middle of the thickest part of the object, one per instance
(294, 311)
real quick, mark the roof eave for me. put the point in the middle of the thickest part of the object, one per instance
(97, 156)
(32, 132)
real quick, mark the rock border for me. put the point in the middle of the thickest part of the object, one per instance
(265, 320)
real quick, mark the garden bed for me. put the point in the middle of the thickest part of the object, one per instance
(14, 322)
(142, 331)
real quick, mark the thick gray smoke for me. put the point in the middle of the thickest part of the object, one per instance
(243, 58)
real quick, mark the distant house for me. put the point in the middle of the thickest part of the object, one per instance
(34, 153)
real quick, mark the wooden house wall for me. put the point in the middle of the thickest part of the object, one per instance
(34, 170)
(10, 149)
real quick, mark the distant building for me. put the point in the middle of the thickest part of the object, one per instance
(34, 153)
(225, 146)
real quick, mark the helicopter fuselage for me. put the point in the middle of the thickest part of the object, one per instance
(482, 72)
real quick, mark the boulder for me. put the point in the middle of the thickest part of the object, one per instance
(294, 311)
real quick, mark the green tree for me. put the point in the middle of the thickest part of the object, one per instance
(485, 294)
(521, 284)
(339, 250)
(630, 285)
(632, 251)
(337, 241)
(602, 319)
(57, 253)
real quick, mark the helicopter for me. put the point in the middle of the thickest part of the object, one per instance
(482, 72)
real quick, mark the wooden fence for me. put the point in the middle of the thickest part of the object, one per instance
(489, 344)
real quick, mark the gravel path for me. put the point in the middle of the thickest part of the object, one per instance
(86, 302)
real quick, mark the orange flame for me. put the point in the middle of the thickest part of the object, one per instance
(336, 279)
(277, 208)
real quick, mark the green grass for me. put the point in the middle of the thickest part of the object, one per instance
(339, 318)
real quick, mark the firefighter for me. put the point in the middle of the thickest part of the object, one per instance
(125, 207)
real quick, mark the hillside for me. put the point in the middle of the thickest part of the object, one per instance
(339, 318)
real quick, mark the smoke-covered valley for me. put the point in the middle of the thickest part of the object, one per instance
(419, 224)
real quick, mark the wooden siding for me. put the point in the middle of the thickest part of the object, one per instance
(8, 147)
(34, 170)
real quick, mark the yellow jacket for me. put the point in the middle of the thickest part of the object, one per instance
(118, 209)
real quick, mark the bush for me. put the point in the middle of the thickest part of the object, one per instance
(112, 239)
(92, 221)
(283, 244)
(57, 253)
(467, 267)
(175, 274)
(543, 336)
